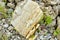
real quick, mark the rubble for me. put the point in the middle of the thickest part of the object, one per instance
(12, 11)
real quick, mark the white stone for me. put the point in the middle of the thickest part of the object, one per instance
(11, 5)
(3, 20)
(10, 28)
(5, 25)
(8, 33)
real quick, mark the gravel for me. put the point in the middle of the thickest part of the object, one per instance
(52, 8)
(58, 18)
(11, 5)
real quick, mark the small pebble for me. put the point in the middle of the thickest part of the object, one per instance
(8, 34)
(5, 25)
(3, 20)
(10, 10)
(10, 28)
(58, 19)
(11, 5)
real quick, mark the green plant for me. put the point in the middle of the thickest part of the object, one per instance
(48, 20)
(3, 10)
(4, 37)
(56, 32)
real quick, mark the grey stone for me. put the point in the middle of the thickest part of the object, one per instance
(10, 10)
(58, 18)
(0, 0)
(10, 28)
(11, 5)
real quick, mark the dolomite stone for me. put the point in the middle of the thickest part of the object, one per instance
(58, 21)
(58, 36)
(26, 16)
(11, 5)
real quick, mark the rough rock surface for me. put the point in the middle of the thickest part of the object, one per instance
(26, 19)
(44, 32)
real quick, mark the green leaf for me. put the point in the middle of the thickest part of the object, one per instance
(57, 32)
(32, 37)
(4, 37)
(2, 10)
(48, 20)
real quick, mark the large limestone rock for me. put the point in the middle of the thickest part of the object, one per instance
(25, 17)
